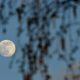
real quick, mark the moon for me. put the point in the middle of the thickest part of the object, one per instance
(7, 48)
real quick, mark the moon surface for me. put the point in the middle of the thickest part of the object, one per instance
(7, 48)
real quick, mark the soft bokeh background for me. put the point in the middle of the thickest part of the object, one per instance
(57, 68)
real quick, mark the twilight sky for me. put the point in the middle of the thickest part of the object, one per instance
(56, 68)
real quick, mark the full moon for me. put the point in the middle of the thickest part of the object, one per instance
(7, 48)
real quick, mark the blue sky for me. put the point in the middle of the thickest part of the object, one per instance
(56, 68)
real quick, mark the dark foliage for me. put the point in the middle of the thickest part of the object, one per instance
(39, 34)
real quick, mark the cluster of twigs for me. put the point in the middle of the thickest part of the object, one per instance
(40, 14)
